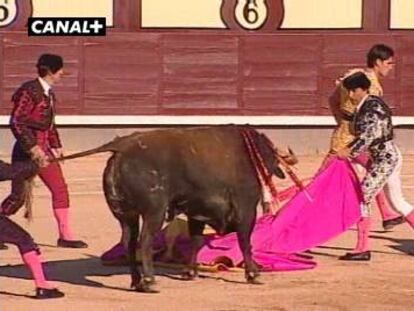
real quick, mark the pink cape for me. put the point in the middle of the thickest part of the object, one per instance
(300, 224)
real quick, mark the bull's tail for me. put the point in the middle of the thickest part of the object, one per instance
(112, 146)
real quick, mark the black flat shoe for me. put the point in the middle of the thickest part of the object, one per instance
(364, 256)
(3, 246)
(46, 293)
(71, 243)
(391, 223)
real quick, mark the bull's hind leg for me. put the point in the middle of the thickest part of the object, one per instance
(128, 217)
(152, 224)
(133, 227)
(195, 229)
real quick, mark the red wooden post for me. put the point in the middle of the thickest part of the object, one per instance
(376, 15)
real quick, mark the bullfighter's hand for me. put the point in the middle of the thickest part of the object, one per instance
(39, 156)
(57, 152)
(344, 153)
(328, 158)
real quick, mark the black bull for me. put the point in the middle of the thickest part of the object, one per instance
(205, 173)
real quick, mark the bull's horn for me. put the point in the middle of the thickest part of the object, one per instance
(290, 157)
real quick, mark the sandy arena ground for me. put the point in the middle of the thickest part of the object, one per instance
(385, 283)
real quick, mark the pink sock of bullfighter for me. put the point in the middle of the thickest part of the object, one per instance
(385, 210)
(363, 227)
(33, 262)
(410, 219)
(62, 218)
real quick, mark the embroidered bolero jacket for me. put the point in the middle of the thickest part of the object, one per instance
(32, 117)
(372, 127)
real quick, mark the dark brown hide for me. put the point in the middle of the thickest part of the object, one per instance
(203, 172)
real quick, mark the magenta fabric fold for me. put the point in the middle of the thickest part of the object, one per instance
(302, 223)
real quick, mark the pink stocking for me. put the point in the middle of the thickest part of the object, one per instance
(363, 235)
(410, 219)
(33, 262)
(62, 217)
(384, 207)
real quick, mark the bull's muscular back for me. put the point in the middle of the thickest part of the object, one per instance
(214, 154)
(196, 164)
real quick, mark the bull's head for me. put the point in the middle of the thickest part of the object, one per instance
(271, 156)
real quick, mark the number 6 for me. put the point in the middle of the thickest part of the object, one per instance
(251, 14)
(8, 12)
(4, 13)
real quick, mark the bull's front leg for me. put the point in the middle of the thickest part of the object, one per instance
(195, 229)
(250, 267)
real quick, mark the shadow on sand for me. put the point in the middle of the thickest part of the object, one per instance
(79, 272)
(403, 246)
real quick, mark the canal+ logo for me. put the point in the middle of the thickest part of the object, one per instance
(66, 26)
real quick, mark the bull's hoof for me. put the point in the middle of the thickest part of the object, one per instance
(135, 282)
(147, 289)
(145, 286)
(253, 278)
(189, 275)
(149, 280)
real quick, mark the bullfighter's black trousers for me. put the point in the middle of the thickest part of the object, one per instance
(12, 233)
(20, 174)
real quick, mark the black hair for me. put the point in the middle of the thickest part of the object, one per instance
(49, 63)
(356, 80)
(378, 51)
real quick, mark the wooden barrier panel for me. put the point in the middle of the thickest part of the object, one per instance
(250, 66)
(204, 74)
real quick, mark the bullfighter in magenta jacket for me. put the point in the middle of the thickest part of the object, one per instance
(33, 126)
